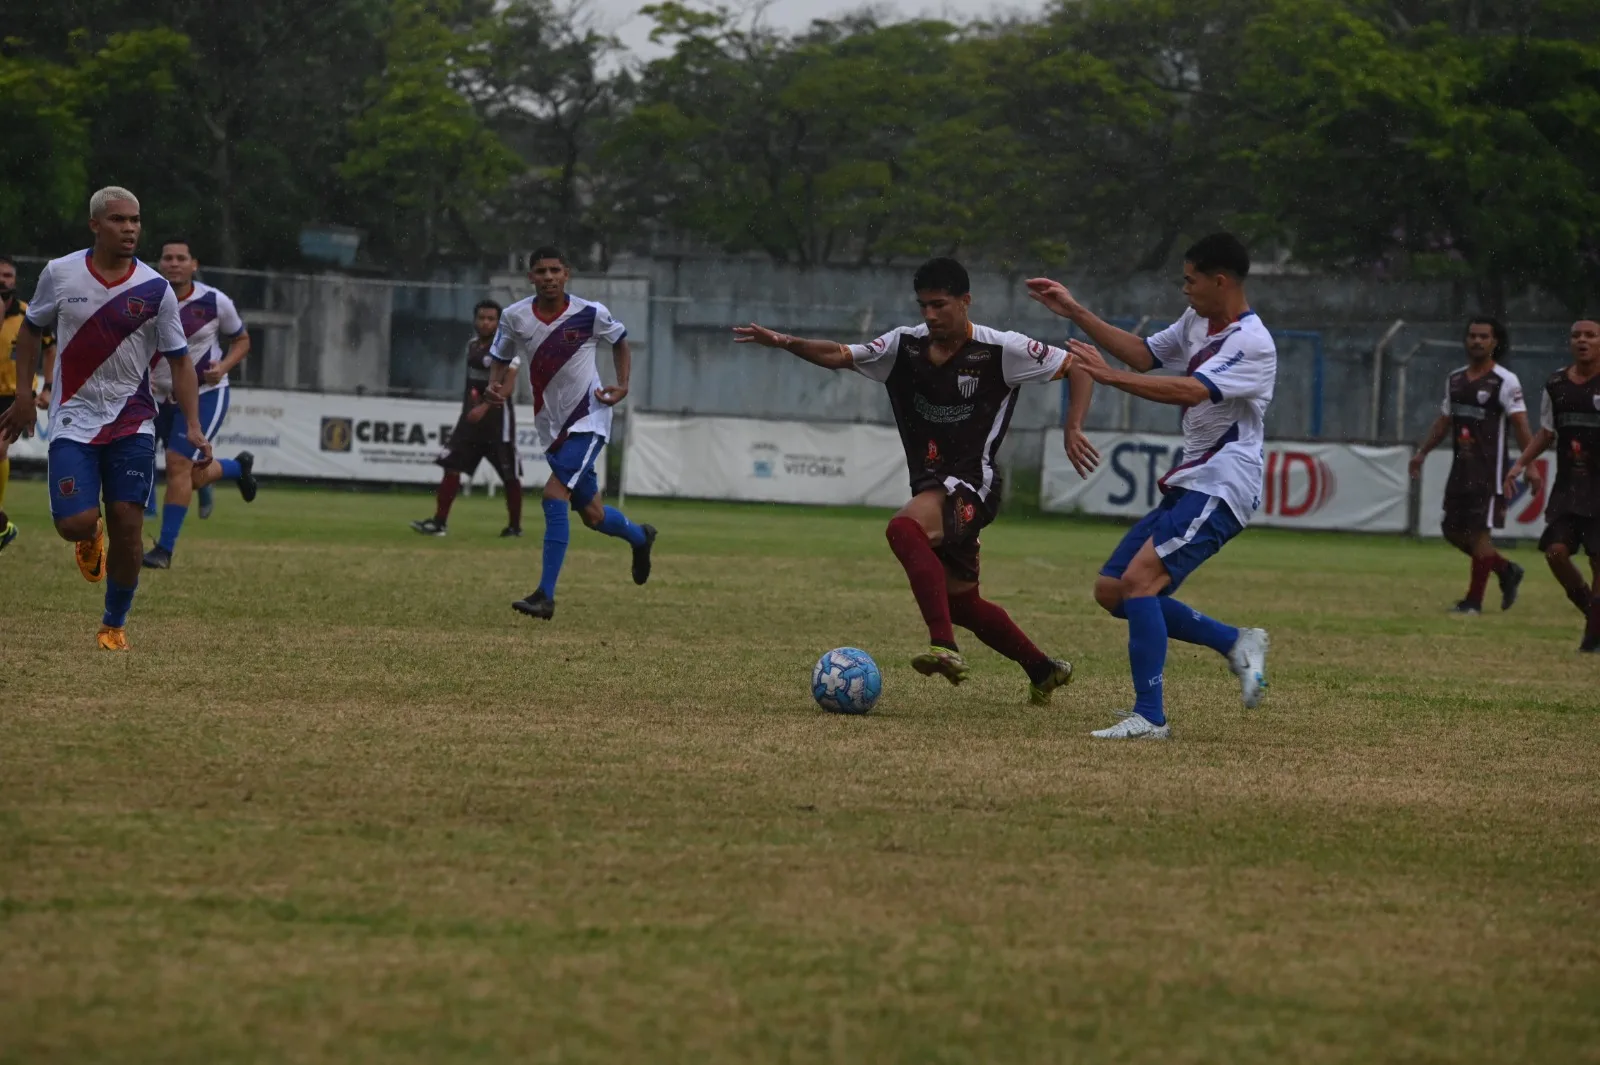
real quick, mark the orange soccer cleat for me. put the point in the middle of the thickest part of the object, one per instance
(91, 554)
(112, 638)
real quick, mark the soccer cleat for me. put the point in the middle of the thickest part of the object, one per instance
(91, 554)
(1060, 677)
(208, 500)
(157, 557)
(537, 605)
(8, 534)
(1133, 727)
(1510, 581)
(112, 638)
(1467, 606)
(509, 531)
(641, 555)
(429, 527)
(1248, 660)
(247, 477)
(944, 662)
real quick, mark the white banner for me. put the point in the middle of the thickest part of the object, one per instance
(1524, 513)
(1306, 485)
(765, 461)
(348, 438)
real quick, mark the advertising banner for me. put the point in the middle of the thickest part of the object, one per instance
(347, 438)
(1305, 485)
(1524, 512)
(765, 461)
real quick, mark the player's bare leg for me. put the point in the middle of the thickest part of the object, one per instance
(240, 469)
(913, 534)
(87, 533)
(1570, 577)
(612, 522)
(174, 508)
(124, 556)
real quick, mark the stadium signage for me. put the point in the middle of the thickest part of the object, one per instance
(1304, 484)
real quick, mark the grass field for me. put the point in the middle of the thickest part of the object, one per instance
(340, 804)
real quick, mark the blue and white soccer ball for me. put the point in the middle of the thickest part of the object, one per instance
(846, 681)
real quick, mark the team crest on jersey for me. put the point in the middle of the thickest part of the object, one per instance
(933, 452)
(136, 307)
(879, 345)
(967, 383)
(1483, 397)
(571, 336)
(1037, 351)
(1595, 399)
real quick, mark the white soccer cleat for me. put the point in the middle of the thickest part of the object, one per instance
(1133, 727)
(1248, 660)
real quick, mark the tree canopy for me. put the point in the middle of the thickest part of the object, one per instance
(1406, 138)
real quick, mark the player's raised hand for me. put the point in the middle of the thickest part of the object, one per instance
(1088, 357)
(758, 334)
(1053, 294)
(1082, 454)
(611, 395)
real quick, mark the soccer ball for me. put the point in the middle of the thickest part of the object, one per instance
(846, 681)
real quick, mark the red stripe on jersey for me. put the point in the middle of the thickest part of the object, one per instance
(99, 337)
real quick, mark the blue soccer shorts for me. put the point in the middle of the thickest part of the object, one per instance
(81, 474)
(1188, 527)
(572, 463)
(173, 433)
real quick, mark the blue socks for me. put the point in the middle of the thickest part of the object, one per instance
(555, 544)
(172, 516)
(230, 469)
(615, 523)
(1189, 625)
(1147, 655)
(119, 600)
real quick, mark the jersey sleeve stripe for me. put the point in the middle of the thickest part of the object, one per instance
(1216, 393)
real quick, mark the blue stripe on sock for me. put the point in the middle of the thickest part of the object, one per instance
(119, 600)
(615, 523)
(556, 534)
(1147, 656)
(172, 516)
(1189, 625)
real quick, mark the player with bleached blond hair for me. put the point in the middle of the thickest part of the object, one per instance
(113, 316)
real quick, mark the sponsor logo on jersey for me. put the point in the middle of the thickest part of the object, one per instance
(879, 345)
(967, 383)
(933, 452)
(1037, 351)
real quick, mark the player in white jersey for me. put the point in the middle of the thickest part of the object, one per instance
(114, 318)
(209, 317)
(1218, 363)
(557, 334)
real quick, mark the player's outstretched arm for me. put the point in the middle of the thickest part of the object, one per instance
(829, 354)
(1436, 432)
(1128, 347)
(1177, 391)
(1536, 447)
(1080, 391)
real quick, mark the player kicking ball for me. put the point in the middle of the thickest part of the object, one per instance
(556, 334)
(113, 316)
(1218, 363)
(1480, 399)
(953, 386)
(1569, 418)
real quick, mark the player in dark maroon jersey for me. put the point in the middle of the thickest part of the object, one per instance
(483, 431)
(1480, 399)
(1569, 418)
(953, 387)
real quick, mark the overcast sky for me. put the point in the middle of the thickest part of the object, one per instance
(622, 18)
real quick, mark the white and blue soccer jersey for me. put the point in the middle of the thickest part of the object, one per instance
(1224, 438)
(560, 354)
(109, 333)
(209, 317)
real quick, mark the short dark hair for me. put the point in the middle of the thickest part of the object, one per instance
(546, 252)
(188, 245)
(9, 261)
(1219, 253)
(1502, 339)
(942, 275)
(486, 305)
